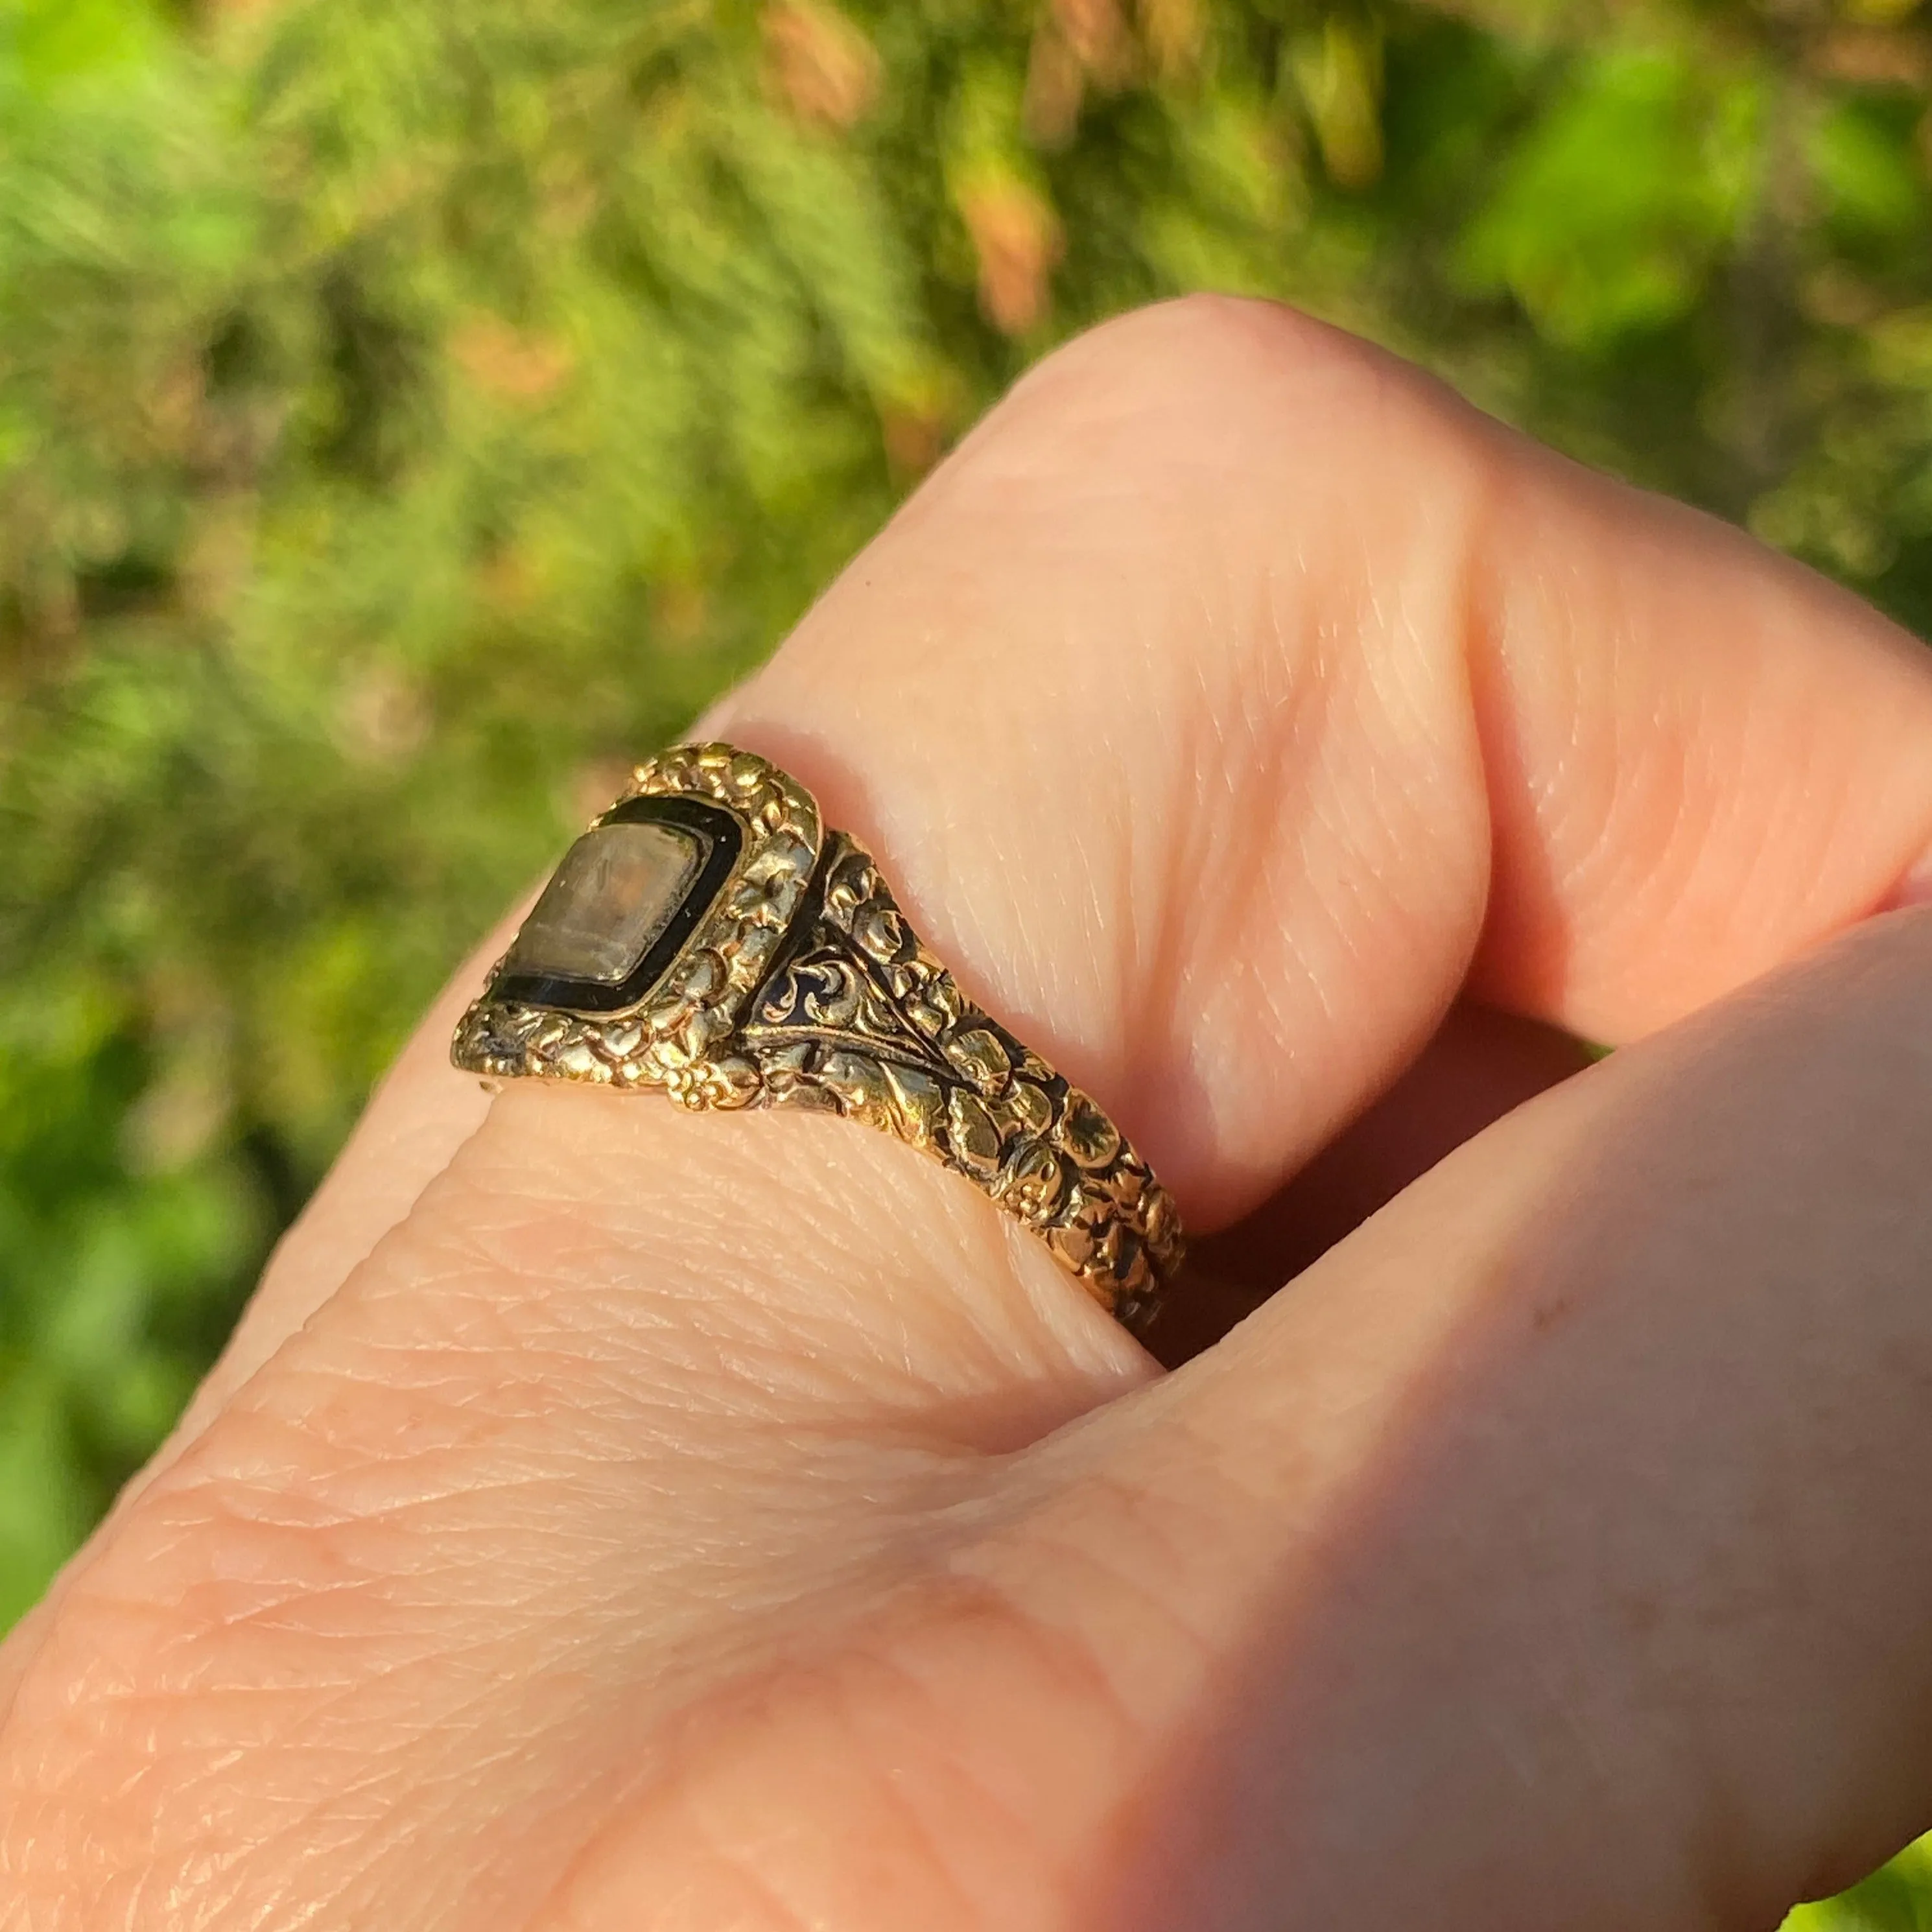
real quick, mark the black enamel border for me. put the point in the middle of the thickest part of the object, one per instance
(724, 839)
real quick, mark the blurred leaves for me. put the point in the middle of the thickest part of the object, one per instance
(1594, 251)
(825, 65)
(408, 413)
(1338, 69)
(1898, 1899)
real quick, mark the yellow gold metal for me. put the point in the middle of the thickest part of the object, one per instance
(801, 985)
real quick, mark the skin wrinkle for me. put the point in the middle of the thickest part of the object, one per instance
(844, 1660)
(1014, 1827)
(899, 1802)
(1072, 1553)
(402, 1834)
(1662, 887)
(1204, 768)
(1357, 893)
(1158, 969)
(778, 1914)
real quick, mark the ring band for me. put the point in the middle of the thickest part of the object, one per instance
(709, 937)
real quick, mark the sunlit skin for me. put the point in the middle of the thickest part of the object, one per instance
(609, 1519)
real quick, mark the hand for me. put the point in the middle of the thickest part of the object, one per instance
(609, 1519)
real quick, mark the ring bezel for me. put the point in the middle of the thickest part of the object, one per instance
(721, 834)
(762, 836)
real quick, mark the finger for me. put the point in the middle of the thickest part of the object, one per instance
(1554, 1552)
(1325, 685)
(1235, 689)
(1480, 1065)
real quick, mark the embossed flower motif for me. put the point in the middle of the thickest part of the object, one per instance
(618, 1039)
(788, 1070)
(731, 1081)
(1162, 1223)
(1035, 1181)
(1081, 1231)
(751, 777)
(578, 1059)
(830, 991)
(686, 1085)
(1087, 1133)
(938, 1006)
(981, 1058)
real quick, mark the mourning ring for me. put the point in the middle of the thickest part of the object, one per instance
(707, 937)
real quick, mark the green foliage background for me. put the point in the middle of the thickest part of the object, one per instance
(410, 411)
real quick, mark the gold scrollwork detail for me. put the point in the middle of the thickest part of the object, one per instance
(863, 1015)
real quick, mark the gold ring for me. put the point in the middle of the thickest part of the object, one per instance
(709, 937)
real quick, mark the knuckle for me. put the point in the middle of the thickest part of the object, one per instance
(1205, 387)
